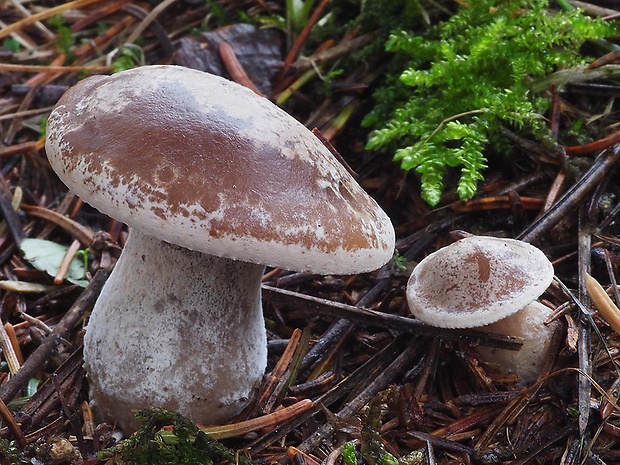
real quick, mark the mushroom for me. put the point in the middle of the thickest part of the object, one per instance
(488, 283)
(215, 182)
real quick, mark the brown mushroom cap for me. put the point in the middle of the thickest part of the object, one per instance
(477, 281)
(204, 163)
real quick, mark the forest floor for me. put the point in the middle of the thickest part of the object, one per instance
(345, 359)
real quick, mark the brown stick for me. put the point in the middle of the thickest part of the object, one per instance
(385, 320)
(61, 331)
(238, 74)
(44, 15)
(9, 420)
(301, 39)
(79, 232)
(573, 196)
(255, 424)
(66, 262)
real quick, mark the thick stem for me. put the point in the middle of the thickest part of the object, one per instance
(175, 329)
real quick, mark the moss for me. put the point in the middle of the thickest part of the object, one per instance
(466, 77)
(168, 438)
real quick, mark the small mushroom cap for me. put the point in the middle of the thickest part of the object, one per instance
(206, 164)
(477, 281)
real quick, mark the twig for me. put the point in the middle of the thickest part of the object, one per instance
(19, 148)
(384, 320)
(9, 213)
(443, 443)
(593, 10)
(496, 202)
(45, 399)
(234, 68)
(10, 331)
(48, 13)
(103, 40)
(9, 352)
(70, 414)
(337, 332)
(356, 380)
(52, 68)
(592, 147)
(274, 377)
(146, 22)
(36, 322)
(62, 209)
(585, 341)
(299, 42)
(66, 262)
(603, 303)
(61, 331)
(554, 191)
(256, 424)
(544, 445)
(38, 24)
(341, 328)
(378, 382)
(295, 454)
(79, 232)
(573, 197)
(155, 27)
(21, 114)
(332, 53)
(9, 420)
(287, 378)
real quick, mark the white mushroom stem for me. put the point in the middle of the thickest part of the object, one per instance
(175, 329)
(528, 324)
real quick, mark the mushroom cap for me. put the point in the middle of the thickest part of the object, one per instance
(204, 163)
(477, 281)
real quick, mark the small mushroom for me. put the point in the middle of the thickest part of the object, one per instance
(487, 283)
(215, 183)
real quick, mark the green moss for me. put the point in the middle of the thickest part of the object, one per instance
(464, 78)
(64, 36)
(169, 439)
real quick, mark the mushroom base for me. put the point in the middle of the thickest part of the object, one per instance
(528, 324)
(175, 329)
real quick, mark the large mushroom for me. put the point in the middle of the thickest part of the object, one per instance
(488, 283)
(215, 182)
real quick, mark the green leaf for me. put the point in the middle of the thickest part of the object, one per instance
(47, 256)
(11, 44)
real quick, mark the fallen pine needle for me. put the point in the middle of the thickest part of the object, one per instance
(603, 303)
(66, 262)
(255, 424)
(9, 352)
(10, 331)
(79, 232)
(48, 13)
(291, 452)
(24, 287)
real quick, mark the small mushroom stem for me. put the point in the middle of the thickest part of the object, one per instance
(175, 329)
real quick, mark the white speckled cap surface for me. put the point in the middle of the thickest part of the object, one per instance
(477, 281)
(205, 163)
